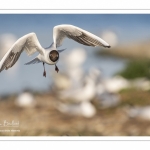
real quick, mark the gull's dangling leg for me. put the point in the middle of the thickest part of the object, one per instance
(44, 73)
(56, 68)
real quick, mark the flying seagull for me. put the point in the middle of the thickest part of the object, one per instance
(49, 55)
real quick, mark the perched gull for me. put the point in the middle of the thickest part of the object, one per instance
(85, 93)
(25, 99)
(85, 109)
(139, 112)
(49, 55)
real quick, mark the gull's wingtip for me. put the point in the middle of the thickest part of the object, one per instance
(107, 46)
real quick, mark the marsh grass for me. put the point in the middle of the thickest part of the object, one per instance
(136, 69)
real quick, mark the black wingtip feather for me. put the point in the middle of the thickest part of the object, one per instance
(107, 46)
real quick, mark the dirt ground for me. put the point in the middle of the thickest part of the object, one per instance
(45, 120)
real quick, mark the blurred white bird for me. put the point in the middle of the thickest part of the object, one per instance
(60, 82)
(49, 55)
(116, 84)
(73, 62)
(104, 95)
(107, 100)
(84, 93)
(85, 109)
(141, 83)
(25, 99)
(75, 58)
(139, 112)
(72, 75)
(85, 90)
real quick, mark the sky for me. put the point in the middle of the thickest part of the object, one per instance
(127, 27)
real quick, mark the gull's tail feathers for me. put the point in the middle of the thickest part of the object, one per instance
(52, 45)
(61, 50)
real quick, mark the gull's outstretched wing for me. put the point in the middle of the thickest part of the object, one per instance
(79, 35)
(28, 42)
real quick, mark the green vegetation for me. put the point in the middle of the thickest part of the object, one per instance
(135, 69)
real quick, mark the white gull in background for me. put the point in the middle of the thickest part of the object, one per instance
(49, 55)
(75, 58)
(107, 100)
(141, 84)
(73, 74)
(139, 112)
(115, 84)
(85, 109)
(61, 82)
(70, 87)
(25, 99)
(73, 62)
(83, 93)
(103, 97)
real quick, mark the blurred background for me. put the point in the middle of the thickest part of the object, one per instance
(97, 92)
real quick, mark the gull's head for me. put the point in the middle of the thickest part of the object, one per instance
(53, 55)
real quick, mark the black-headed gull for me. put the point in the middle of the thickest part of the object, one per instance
(50, 55)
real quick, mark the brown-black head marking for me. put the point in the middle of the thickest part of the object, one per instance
(54, 55)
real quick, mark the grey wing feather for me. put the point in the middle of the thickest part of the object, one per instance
(34, 61)
(10, 60)
(77, 34)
